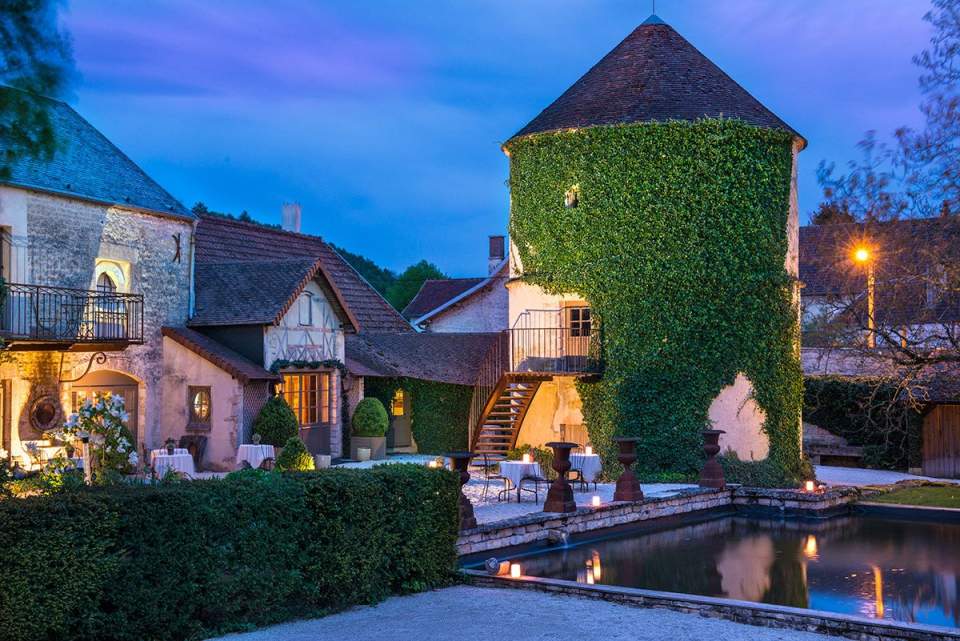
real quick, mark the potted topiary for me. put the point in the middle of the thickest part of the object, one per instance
(276, 423)
(370, 424)
(294, 457)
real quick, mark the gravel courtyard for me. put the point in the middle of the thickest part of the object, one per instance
(485, 614)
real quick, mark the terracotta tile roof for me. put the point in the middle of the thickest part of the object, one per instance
(447, 358)
(435, 292)
(225, 358)
(86, 165)
(220, 239)
(653, 75)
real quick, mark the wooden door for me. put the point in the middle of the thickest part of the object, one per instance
(941, 442)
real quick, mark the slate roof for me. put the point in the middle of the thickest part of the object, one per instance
(253, 292)
(225, 358)
(223, 240)
(87, 166)
(655, 74)
(446, 358)
(435, 292)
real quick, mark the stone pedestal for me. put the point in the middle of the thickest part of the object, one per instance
(560, 496)
(460, 462)
(628, 487)
(712, 473)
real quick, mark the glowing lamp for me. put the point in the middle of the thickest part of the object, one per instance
(595, 501)
(810, 486)
(526, 458)
(432, 464)
(861, 254)
(515, 571)
(589, 450)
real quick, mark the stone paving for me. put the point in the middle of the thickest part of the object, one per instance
(466, 613)
(858, 477)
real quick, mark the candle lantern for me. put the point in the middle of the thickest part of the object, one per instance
(810, 486)
(595, 502)
(515, 571)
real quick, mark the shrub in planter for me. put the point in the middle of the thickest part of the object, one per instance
(370, 418)
(294, 457)
(276, 423)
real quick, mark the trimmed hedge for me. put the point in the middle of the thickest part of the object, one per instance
(189, 560)
(370, 418)
(276, 423)
(439, 412)
(294, 457)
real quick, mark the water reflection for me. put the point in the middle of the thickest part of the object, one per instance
(908, 571)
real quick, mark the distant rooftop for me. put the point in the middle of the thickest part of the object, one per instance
(86, 165)
(654, 75)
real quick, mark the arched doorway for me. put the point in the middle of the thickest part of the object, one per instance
(102, 382)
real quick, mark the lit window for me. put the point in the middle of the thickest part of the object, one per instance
(198, 399)
(310, 397)
(306, 309)
(396, 407)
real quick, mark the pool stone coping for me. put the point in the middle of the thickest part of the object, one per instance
(760, 614)
(540, 527)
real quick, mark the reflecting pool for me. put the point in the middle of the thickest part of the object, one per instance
(879, 568)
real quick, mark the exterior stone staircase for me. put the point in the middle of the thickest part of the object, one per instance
(500, 422)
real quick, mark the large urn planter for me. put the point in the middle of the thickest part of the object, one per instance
(628, 486)
(461, 462)
(376, 444)
(560, 495)
(712, 474)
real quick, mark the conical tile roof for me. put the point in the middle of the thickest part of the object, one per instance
(655, 74)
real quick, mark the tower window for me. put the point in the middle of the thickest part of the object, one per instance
(105, 284)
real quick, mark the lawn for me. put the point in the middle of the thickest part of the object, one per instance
(926, 495)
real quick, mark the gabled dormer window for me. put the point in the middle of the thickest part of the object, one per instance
(306, 309)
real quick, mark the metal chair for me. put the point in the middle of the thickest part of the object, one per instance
(536, 481)
(490, 473)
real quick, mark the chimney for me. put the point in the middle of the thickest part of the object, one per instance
(290, 217)
(497, 252)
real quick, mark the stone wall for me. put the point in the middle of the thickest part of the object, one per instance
(62, 240)
(541, 526)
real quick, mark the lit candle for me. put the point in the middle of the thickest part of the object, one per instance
(515, 570)
(810, 486)
(589, 450)
(595, 502)
(432, 464)
(526, 458)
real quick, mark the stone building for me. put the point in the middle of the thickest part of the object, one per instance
(466, 305)
(555, 339)
(96, 257)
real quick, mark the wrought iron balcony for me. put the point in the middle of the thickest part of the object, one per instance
(556, 350)
(39, 317)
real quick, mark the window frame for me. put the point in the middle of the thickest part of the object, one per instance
(305, 300)
(194, 421)
(582, 325)
(300, 385)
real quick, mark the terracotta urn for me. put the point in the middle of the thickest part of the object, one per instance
(712, 473)
(560, 495)
(628, 486)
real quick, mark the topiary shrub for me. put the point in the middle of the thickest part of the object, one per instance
(294, 457)
(276, 423)
(370, 418)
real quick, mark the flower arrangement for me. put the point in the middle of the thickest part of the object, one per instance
(102, 423)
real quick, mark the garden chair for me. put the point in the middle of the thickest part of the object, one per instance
(490, 473)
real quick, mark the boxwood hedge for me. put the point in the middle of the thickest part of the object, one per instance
(193, 559)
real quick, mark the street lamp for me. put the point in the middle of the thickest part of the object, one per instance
(863, 256)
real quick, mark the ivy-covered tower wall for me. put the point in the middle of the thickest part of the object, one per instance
(684, 243)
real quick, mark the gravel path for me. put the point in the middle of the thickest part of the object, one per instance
(488, 614)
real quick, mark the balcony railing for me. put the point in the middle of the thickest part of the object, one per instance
(62, 317)
(556, 350)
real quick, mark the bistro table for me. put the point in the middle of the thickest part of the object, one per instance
(255, 454)
(588, 465)
(515, 471)
(163, 463)
(162, 451)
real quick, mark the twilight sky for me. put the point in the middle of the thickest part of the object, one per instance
(383, 118)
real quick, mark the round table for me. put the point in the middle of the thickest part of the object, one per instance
(163, 463)
(254, 454)
(588, 464)
(513, 471)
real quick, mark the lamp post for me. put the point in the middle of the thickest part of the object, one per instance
(863, 256)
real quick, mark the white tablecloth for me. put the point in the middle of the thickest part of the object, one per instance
(163, 452)
(162, 463)
(254, 454)
(588, 464)
(516, 470)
